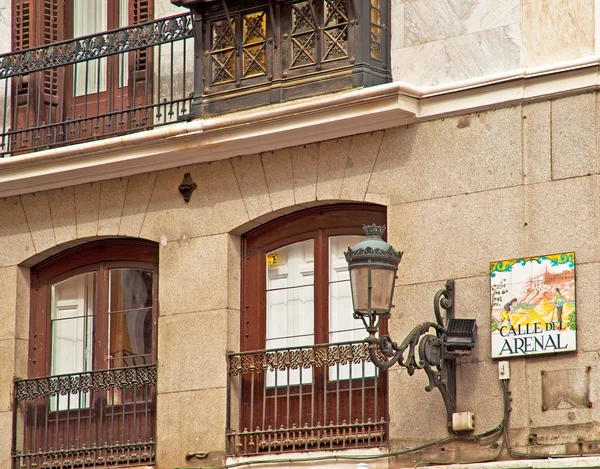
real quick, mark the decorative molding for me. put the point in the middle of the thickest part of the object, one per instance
(288, 124)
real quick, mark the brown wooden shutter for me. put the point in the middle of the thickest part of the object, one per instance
(53, 31)
(22, 37)
(140, 72)
(21, 25)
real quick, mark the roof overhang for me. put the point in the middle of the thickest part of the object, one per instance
(288, 124)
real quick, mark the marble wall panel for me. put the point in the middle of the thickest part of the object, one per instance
(423, 64)
(162, 9)
(481, 15)
(440, 41)
(397, 25)
(483, 53)
(555, 30)
(5, 6)
(431, 20)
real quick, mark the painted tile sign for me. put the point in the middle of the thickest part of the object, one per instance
(533, 305)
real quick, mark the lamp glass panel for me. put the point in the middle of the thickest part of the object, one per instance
(382, 281)
(359, 278)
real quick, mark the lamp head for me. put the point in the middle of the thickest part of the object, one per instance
(372, 264)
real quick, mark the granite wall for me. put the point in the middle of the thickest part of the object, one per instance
(460, 192)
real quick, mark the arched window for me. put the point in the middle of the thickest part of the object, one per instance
(298, 331)
(92, 356)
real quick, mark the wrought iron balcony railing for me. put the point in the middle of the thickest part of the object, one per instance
(96, 86)
(91, 419)
(306, 398)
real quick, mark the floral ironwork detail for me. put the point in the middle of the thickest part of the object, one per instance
(96, 46)
(314, 356)
(121, 378)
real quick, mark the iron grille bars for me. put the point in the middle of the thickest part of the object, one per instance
(116, 82)
(314, 397)
(89, 419)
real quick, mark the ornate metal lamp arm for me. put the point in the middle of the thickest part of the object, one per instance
(422, 351)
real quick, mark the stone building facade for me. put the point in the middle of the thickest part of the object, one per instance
(484, 148)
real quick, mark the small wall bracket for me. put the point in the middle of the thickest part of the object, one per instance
(186, 187)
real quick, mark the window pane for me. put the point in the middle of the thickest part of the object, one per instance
(123, 58)
(290, 303)
(130, 338)
(130, 289)
(340, 296)
(89, 17)
(130, 317)
(72, 314)
(342, 325)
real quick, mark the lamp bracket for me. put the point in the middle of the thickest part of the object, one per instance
(422, 350)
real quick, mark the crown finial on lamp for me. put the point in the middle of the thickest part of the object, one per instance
(374, 230)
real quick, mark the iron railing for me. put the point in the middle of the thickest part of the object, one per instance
(91, 419)
(96, 86)
(317, 397)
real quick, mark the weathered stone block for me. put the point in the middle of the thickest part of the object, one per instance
(359, 166)
(537, 142)
(191, 351)
(39, 220)
(250, 177)
(333, 156)
(14, 233)
(278, 171)
(112, 199)
(62, 208)
(574, 150)
(139, 189)
(194, 275)
(189, 422)
(562, 216)
(305, 162)
(456, 237)
(458, 155)
(216, 206)
(87, 204)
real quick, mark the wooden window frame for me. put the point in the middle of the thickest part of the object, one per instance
(99, 257)
(319, 224)
(316, 223)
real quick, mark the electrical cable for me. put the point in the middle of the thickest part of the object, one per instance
(498, 429)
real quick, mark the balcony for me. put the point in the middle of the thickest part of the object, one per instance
(91, 419)
(97, 86)
(308, 398)
(257, 52)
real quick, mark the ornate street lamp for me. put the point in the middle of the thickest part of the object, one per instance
(373, 264)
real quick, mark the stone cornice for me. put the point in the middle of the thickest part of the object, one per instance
(288, 124)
